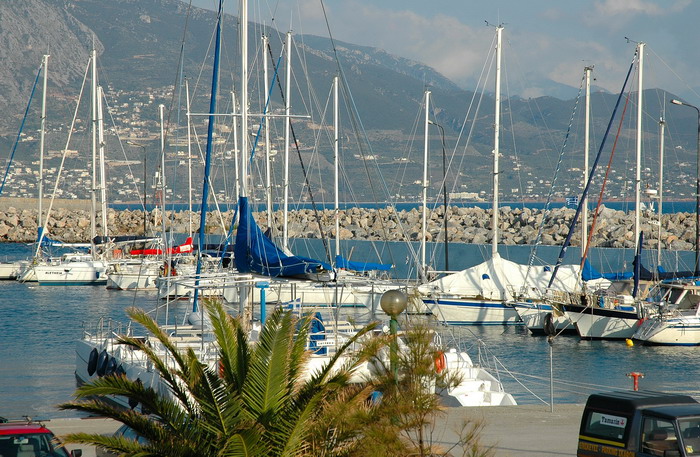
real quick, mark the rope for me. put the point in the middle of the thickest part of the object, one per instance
(605, 180)
(326, 245)
(591, 175)
(21, 127)
(550, 195)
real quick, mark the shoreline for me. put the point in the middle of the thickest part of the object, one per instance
(466, 225)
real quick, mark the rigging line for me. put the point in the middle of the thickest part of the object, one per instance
(326, 245)
(550, 194)
(21, 127)
(121, 146)
(591, 175)
(512, 135)
(596, 213)
(693, 90)
(354, 119)
(63, 160)
(178, 83)
(483, 77)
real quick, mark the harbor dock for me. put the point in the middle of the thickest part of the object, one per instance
(513, 431)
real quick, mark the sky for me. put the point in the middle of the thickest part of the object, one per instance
(545, 42)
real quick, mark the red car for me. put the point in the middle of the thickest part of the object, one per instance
(30, 439)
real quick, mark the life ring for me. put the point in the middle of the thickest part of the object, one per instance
(440, 362)
(102, 363)
(92, 362)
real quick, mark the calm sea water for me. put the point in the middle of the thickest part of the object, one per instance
(40, 326)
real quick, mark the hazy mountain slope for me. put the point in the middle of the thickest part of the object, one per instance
(29, 29)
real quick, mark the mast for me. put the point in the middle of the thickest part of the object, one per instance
(586, 153)
(336, 163)
(236, 153)
(662, 132)
(93, 200)
(161, 178)
(638, 166)
(207, 155)
(101, 149)
(268, 163)
(424, 218)
(189, 159)
(45, 64)
(244, 96)
(496, 150)
(287, 126)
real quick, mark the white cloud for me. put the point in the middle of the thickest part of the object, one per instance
(617, 7)
(440, 41)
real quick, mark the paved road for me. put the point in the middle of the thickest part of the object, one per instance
(514, 431)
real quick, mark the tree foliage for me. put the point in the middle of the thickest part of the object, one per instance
(256, 401)
(259, 399)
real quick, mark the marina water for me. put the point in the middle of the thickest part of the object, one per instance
(41, 324)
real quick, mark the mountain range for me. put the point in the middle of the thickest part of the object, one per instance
(140, 44)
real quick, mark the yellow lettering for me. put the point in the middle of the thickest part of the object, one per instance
(584, 446)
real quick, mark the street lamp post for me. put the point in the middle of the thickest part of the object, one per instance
(393, 303)
(444, 191)
(696, 270)
(145, 191)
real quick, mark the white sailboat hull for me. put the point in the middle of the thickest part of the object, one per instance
(12, 270)
(673, 331)
(72, 273)
(594, 323)
(132, 281)
(534, 315)
(465, 311)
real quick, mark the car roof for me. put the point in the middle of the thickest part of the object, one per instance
(630, 401)
(675, 411)
(12, 428)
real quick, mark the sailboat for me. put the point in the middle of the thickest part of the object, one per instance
(99, 353)
(295, 278)
(482, 294)
(19, 268)
(615, 312)
(80, 268)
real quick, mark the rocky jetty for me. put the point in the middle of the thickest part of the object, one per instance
(464, 225)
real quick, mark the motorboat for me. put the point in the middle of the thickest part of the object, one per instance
(99, 353)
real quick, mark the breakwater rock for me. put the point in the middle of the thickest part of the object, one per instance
(464, 225)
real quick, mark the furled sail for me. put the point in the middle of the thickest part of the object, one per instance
(256, 253)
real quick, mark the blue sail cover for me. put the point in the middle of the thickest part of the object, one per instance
(46, 241)
(255, 253)
(342, 262)
(589, 273)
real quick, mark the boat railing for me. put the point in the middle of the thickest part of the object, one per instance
(105, 328)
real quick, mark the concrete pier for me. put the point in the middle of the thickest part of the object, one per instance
(513, 431)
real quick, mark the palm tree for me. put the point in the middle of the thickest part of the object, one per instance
(406, 419)
(257, 402)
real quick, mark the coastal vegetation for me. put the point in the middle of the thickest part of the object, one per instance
(259, 402)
